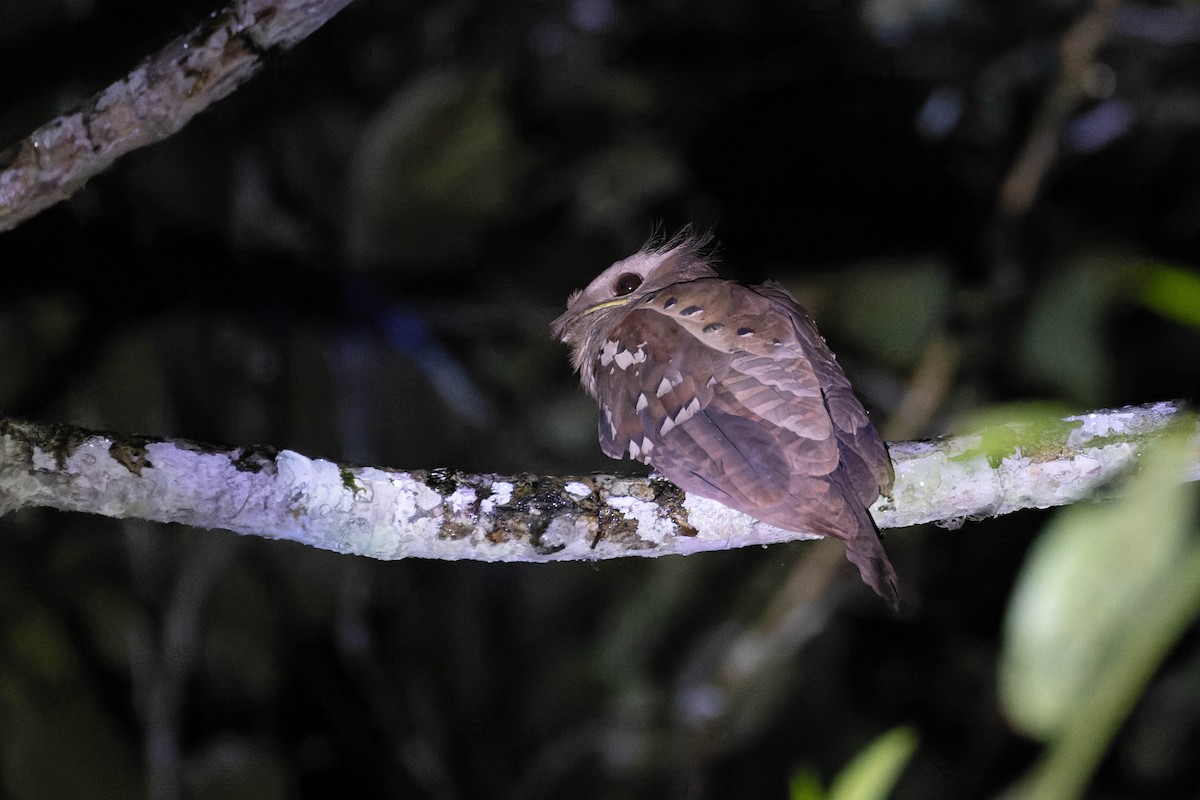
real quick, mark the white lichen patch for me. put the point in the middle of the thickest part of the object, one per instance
(84, 458)
(712, 520)
(44, 461)
(1088, 466)
(719, 527)
(1092, 425)
(651, 525)
(1127, 421)
(461, 499)
(427, 499)
(560, 534)
(918, 478)
(501, 496)
(577, 489)
(318, 479)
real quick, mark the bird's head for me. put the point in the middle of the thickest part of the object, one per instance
(590, 310)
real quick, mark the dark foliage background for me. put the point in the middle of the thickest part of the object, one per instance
(358, 255)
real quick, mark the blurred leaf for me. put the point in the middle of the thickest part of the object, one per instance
(1033, 429)
(1063, 343)
(806, 785)
(613, 187)
(870, 776)
(1173, 292)
(231, 767)
(873, 773)
(436, 170)
(56, 739)
(34, 331)
(1105, 593)
(238, 658)
(890, 310)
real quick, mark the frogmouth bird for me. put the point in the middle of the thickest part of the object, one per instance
(730, 392)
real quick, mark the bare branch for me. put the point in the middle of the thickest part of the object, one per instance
(390, 514)
(1077, 53)
(152, 102)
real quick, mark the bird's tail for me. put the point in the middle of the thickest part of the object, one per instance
(865, 550)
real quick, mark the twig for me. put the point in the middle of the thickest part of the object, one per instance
(390, 514)
(152, 102)
(1077, 52)
(930, 384)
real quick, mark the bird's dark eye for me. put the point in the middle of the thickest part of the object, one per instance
(626, 283)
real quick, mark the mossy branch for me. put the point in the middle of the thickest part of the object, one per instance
(391, 514)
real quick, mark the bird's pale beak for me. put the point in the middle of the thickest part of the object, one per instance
(616, 301)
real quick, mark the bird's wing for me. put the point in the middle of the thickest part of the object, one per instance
(864, 456)
(732, 394)
(651, 375)
(683, 385)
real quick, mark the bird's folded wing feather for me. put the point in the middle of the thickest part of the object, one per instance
(651, 375)
(709, 382)
(864, 455)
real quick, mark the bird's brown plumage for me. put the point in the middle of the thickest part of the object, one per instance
(731, 393)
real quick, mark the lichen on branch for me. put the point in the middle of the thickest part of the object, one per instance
(157, 98)
(391, 514)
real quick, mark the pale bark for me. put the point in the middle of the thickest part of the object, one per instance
(152, 102)
(392, 514)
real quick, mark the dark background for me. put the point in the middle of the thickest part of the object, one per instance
(358, 255)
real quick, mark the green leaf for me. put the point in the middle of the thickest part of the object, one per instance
(890, 309)
(873, 773)
(806, 785)
(1172, 292)
(435, 171)
(1105, 593)
(1062, 344)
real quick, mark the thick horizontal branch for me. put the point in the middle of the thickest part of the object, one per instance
(152, 102)
(391, 514)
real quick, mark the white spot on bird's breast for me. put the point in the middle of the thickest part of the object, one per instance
(608, 352)
(625, 358)
(642, 402)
